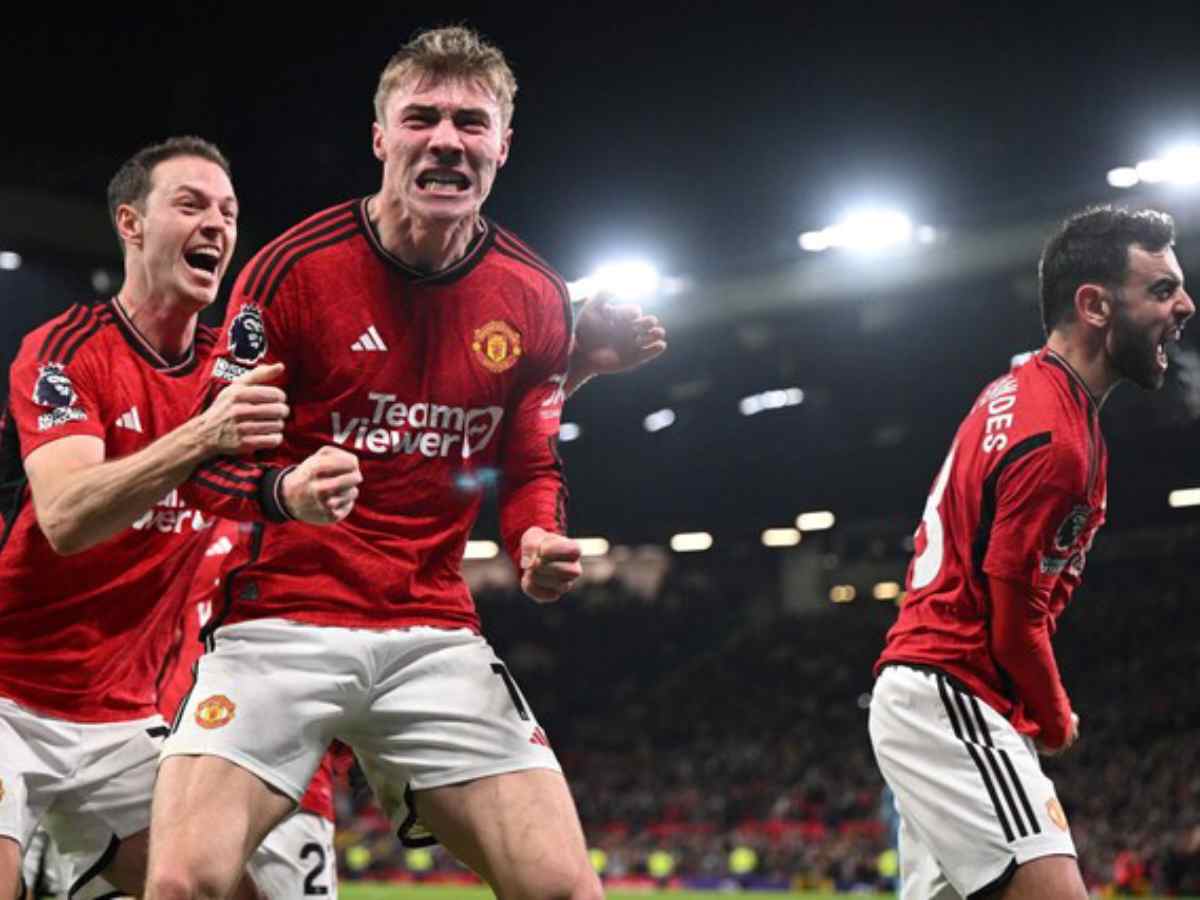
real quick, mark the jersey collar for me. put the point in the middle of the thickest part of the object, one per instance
(146, 350)
(476, 250)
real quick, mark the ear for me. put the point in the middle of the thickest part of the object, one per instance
(1094, 305)
(377, 141)
(505, 144)
(129, 225)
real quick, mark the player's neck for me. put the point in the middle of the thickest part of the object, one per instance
(418, 243)
(165, 323)
(1089, 362)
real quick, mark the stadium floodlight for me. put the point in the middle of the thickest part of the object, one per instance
(1123, 177)
(627, 279)
(657, 421)
(595, 546)
(691, 541)
(886, 590)
(815, 521)
(867, 230)
(481, 550)
(1184, 497)
(568, 431)
(777, 399)
(842, 593)
(10, 261)
(781, 537)
(1177, 166)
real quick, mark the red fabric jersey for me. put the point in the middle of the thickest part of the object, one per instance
(1019, 497)
(188, 647)
(442, 384)
(81, 636)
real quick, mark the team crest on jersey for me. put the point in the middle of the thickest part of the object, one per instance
(1072, 527)
(54, 390)
(215, 712)
(247, 336)
(498, 346)
(1055, 811)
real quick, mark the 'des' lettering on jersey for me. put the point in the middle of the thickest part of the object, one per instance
(429, 429)
(1000, 398)
(171, 516)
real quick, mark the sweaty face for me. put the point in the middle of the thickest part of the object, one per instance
(188, 229)
(441, 143)
(1150, 311)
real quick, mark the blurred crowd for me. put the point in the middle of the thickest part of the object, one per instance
(713, 739)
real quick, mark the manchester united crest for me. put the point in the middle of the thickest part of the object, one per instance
(1055, 811)
(497, 345)
(215, 712)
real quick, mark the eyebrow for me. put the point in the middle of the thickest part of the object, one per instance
(204, 195)
(426, 109)
(1166, 281)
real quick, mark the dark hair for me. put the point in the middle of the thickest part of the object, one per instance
(1092, 247)
(131, 184)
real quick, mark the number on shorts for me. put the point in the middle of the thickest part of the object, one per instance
(311, 888)
(927, 565)
(501, 670)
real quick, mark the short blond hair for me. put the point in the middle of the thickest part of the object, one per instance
(454, 52)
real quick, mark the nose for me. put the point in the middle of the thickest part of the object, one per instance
(1189, 306)
(445, 139)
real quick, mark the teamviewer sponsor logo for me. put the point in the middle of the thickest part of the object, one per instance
(172, 516)
(428, 429)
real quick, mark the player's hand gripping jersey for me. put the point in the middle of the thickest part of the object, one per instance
(82, 636)
(1019, 497)
(441, 384)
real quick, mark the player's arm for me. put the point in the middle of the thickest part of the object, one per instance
(1020, 643)
(611, 338)
(81, 498)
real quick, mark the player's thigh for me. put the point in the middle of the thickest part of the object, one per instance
(1045, 878)
(209, 814)
(520, 830)
(969, 786)
(297, 859)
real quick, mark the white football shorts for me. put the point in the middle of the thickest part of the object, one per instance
(973, 801)
(89, 785)
(422, 708)
(297, 859)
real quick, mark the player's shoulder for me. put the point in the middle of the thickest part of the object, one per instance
(72, 334)
(302, 245)
(524, 262)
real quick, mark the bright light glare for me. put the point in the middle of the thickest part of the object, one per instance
(781, 537)
(886, 590)
(756, 403)
(592, 546)
(842, 593)
(865, 230)
(691, 541)
(1123, 177)
(1184, 497)
(568, 431)
(657, 421)
(630, 279)
(815, 521)
(10, 261)
(481, 550)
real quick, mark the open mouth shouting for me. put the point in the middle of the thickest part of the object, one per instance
(1170, 336)
(203, 260)
(443, 182)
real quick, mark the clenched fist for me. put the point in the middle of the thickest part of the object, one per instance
(323, 488)
(246, 416)
(550, 564)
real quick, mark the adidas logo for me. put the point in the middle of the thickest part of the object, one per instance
(219, 547)
(539, 737)
(369, 340)
(130, 419)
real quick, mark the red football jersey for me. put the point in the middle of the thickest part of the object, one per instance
(442, 384)
(1019, 497)
(81, 636)
(188, 647)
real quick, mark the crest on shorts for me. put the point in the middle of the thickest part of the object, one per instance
(498, 345)
(1071, 528)
(1055, 811)
(247, 335)
(215, 712)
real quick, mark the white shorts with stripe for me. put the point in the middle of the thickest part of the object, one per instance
(422, 708)
(973, 801)
(296, 859)
(89, 785)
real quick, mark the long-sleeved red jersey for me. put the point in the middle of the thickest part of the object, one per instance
(441, 383)
(1019, 497)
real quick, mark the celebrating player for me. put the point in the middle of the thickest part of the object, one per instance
(102, 462)
(434, 345)
(968, 688)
